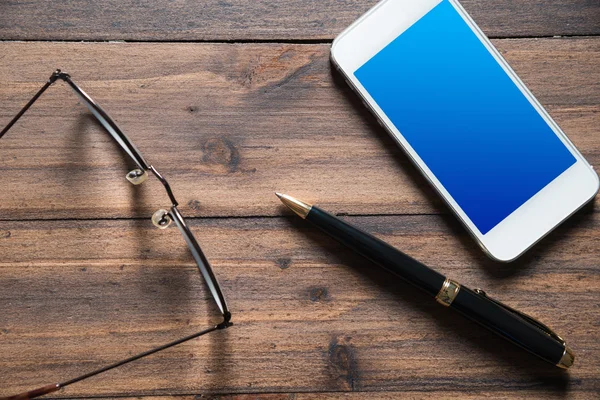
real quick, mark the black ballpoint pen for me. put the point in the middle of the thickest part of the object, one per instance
(507, 322)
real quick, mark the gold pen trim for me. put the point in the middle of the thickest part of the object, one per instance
(567, 359)
(448, 292)
(299, 207)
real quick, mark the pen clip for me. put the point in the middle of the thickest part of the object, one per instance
(531, 320)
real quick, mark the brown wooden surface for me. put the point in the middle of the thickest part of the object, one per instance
(85, 279)
(309, 315)
(232, 123)
(265, 20)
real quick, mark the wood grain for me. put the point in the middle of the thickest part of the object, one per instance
(409, 395)
(309, 316)
(86, 280)
(263, 20)
(229, 124)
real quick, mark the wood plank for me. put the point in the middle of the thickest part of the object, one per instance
(265, 20)
(229, 124)
(309, 315)
(408, 395)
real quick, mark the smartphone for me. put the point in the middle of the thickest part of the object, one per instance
(437, 84)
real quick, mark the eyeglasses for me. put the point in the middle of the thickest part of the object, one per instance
(161, 218)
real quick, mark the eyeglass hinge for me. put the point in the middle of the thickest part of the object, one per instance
(58, 74)
(226, 321)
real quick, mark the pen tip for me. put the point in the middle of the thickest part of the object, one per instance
(299, 207)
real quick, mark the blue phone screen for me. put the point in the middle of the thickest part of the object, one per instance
(464, 117)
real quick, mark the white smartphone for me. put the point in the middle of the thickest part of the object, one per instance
(445, 94)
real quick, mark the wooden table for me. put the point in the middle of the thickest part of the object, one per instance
(233, 100)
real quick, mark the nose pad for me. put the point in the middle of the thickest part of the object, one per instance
(161, 219)
(137, 176)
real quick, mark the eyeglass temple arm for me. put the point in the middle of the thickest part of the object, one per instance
(54, 387)
(95, 109)
(210, 279)
(50, 81)
(32, 394)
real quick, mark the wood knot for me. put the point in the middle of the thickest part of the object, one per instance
(145, 253)
(5, 234)
(342, 363)
(194, 205)
(192, 109)
(284, 263)
(318, 294)
(221, 152)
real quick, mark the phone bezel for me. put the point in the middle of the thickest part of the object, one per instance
(536, 217)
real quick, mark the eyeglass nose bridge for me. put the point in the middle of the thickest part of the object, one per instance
(165, 184)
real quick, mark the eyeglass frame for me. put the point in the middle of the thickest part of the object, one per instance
(161, 219)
